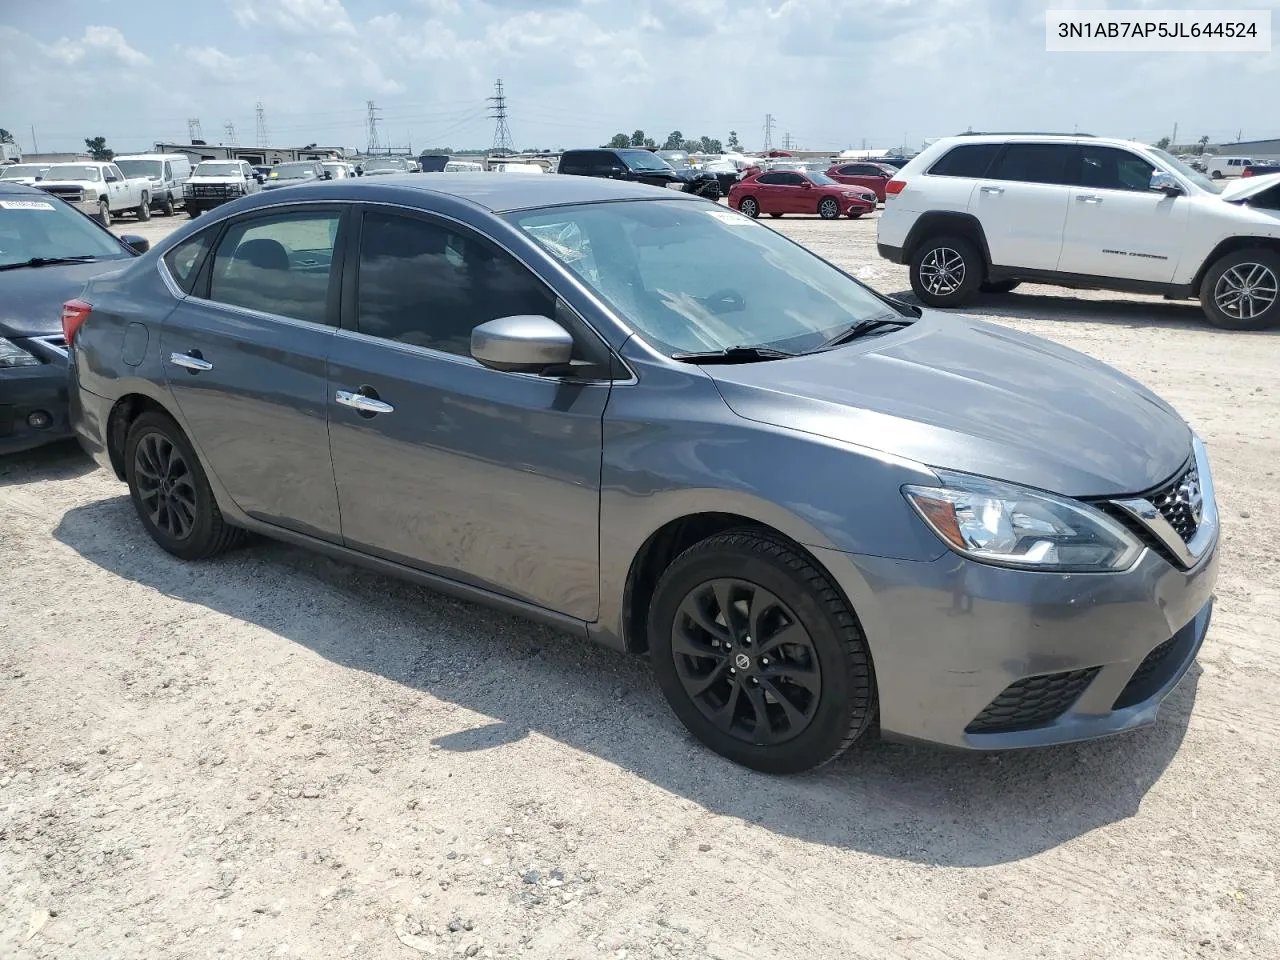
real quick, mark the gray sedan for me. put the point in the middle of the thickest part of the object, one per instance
(650, 421)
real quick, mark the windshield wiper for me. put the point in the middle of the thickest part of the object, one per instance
(732, 355)
(861, 329)
(46, 262)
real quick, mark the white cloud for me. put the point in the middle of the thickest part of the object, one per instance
(96, 40)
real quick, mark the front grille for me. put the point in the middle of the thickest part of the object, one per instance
(1032, 702)
(212, 190)
(1174, 501)
(69, 193)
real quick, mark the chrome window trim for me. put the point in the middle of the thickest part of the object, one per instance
(1190, 553)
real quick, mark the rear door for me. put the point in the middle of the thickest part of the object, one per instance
(1116, 225)
(246, 357)
(1021, 203)
(482, 476)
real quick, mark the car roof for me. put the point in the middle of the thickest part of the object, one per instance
(11, 187)
(1036, 138)
(489, 191)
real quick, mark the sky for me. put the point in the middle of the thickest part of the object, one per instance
(833, 73)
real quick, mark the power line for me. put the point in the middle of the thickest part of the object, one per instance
(498, 113)
(262, 124)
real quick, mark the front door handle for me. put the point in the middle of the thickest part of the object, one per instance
(190, 361)
(993, 189)
(1088, 198)
(362, 403)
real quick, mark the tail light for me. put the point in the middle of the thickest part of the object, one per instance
(74, 313)
(894, 187)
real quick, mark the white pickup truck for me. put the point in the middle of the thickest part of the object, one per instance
(98, 189)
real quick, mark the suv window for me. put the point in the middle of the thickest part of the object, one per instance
(279, 264)
(1110, 168)
(1033, 163)
(183, 261)
(429, 285)
(168, 171)
(967, 160)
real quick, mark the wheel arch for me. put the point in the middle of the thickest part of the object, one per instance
(946, 222)
(1231, 245)
(123, 413)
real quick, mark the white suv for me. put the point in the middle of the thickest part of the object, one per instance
(986, 212)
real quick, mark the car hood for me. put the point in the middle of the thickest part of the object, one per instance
(48, 182)
(382, 173)
(288, 182)
(31, 298)
(228, 179)
(974, 397)
(1248, 186)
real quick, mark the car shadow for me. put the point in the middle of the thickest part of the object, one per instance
(904, 801)
(63, 460)
(1180, 315)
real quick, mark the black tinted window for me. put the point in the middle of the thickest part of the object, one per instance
(849, 171)
(966, 160)
(425, 284)
(184, 260)
(1033, 163)
(791, 179)
(278, 264)
(1109, 168)
(770, 178)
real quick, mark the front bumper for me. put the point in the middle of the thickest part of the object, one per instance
(33, 393)
(986, 658)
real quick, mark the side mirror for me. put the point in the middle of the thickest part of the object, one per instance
(1165, 183)
(807, 185)
(524, 344)
(328, 175)
(136, 243)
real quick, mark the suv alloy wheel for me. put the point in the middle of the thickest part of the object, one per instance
(946, 271)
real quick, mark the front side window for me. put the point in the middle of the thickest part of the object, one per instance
(1186, 172)
(428, 285)
(1033, 163)
(694, 277)
(966, 160)
(1110, 168)
(279, 264)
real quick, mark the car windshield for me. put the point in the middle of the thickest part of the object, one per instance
(217, 170)
(677, 160)
(1195, 176)
(693, 276)
(45, 228)
(20, 170)
(643, 160)
(821, 179)
(141, 168)
(293, 171)
(384, 165)
(72, 171)
(337, 169)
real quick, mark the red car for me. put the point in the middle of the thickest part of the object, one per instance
(863, 173)
(776, 192)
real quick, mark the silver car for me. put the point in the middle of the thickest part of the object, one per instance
(650, 421)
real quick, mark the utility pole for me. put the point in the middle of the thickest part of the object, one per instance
(231, 134)
(193, 129)
(498, 113)
(768, 132)
(35, 147)
(373, 127)
(1239, 134)
(262, 124)
(1174, 140)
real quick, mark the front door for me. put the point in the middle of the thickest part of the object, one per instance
(1116, 225)
(245, 358)
(486, 477)
(1022, 205)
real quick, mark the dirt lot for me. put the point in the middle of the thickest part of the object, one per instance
(275, 755)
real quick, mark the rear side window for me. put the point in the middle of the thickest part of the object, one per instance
(1033, 163)
(279, 265)
(966, 160)
(573, 162)
(184, 260)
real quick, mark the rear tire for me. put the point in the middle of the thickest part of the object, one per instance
(192, 212)
(734, 691)
(750, 207)
(1240, 291)
(946, 271)
(170, 491)
(775, 215)
(167, 209)
(144, 211)
(999, 286)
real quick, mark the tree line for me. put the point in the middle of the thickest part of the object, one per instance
(675, 141)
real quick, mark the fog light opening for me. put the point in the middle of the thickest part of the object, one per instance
(39, 419)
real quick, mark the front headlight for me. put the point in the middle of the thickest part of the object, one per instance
(12, 355)
(1013, 526)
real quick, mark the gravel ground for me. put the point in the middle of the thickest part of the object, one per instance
(276, 755)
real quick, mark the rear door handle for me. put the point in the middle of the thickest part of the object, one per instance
(993, 189)
(358, 401)
(1088, 198)
(189, 361)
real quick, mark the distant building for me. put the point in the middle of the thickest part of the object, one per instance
(76, 157)
(1261, 149)
(259, 156)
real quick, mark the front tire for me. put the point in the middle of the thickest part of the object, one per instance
(104, 213)
(749, 206)
(170, 491)
(828, 209)
(166, 208)
(759, 655)
(999, 286)
(144, 210)
(1242, 290)
(946, 271)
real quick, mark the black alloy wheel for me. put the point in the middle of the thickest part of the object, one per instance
(165, 488)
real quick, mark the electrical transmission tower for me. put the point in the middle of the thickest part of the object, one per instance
(786, 141)
(768, 132)
(193, 129)
(373, 127)
(262, 125)
(498, 113)
(231, 134)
